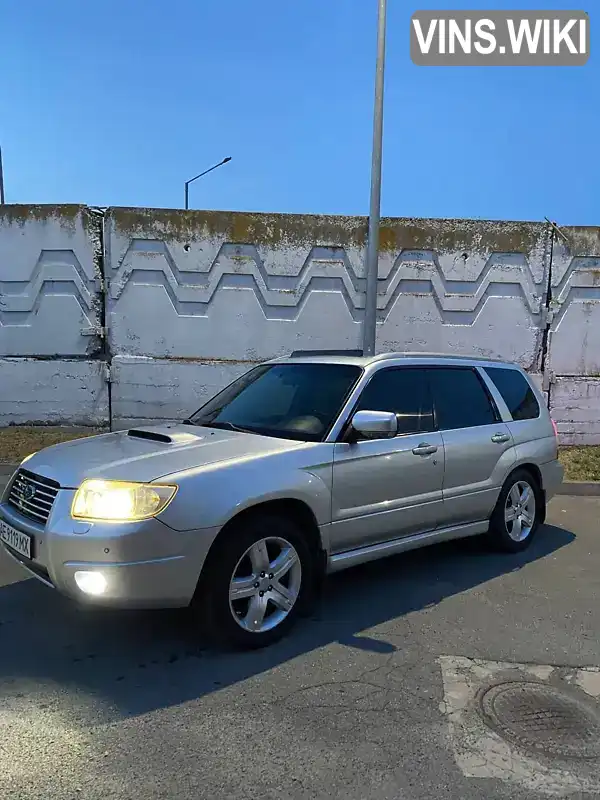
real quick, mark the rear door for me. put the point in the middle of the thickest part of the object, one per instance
(530, 426)
(478, 445)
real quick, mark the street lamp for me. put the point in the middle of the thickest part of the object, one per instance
(206, 171)
(372, 259)
(1, 180)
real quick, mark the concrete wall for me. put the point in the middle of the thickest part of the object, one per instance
(195, 298)
(50, 313)
(574, 337)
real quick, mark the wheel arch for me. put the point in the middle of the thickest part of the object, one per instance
(290, 507)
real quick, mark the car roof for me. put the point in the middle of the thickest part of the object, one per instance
(356, 358)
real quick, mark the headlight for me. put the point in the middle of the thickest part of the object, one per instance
(118, 501)
(31, 455)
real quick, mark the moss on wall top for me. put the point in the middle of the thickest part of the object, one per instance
(21, 213)
(308, 230)
(583, 241)
(288, 230)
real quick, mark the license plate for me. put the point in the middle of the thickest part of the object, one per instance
(21, 542)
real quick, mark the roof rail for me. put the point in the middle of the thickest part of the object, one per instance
(303, 353)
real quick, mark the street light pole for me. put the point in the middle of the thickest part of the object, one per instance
(372, 260)
(1, 180)
(206, 171)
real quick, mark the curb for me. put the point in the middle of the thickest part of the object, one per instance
(580, 488)
(572, 488)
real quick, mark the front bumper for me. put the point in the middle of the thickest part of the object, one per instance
(145, 564)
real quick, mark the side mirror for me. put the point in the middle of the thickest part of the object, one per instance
(375, 424)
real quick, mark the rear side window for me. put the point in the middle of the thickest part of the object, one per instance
(516, 392)
(460, 399)
(403, 391)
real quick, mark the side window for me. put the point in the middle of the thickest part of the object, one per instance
(516, 392)
(403, 391)
(460, 399)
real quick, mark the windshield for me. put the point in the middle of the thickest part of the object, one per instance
(291, 401)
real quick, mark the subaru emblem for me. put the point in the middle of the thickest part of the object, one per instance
(28, 492)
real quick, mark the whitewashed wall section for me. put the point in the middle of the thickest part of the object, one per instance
(196, 297)
(464, 286)
(50, 316)
(574, 335)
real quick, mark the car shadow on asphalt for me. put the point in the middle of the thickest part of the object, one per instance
(130, 663)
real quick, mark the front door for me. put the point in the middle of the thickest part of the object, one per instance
(386, 488)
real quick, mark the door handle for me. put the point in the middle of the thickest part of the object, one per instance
(500, 438)
(425, 449)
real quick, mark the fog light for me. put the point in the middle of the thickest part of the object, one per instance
(93, 583)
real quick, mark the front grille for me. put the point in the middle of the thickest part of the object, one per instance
(32, 495)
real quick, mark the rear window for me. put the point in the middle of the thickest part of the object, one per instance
(460, 399)
(516, 392)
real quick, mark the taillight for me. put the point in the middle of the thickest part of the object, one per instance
(555, 428)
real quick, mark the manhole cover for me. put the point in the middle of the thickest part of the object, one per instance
(540, 717)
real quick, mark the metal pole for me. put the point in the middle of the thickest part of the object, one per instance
(206, 171)
(1, 180)
(372, 260)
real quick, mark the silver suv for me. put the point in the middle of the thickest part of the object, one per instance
(303, 466)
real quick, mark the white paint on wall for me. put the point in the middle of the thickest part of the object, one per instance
(575, 407)
(195, 298)
(58, 392)
(154, 390)
(49, 268)
(200, 287)
(575, 329)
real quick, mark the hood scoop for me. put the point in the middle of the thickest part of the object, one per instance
(158, 436)
(140, 433)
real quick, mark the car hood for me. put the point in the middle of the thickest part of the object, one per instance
(148, 453)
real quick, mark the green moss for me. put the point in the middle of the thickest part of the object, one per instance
(583, 241)
(456, 235)
(20, 214)
(306, 230)
(270, 230)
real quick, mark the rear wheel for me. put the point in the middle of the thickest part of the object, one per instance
(517, 514)
(256, 582)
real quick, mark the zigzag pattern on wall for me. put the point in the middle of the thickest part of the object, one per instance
(580, 283)
(326, 269)
(56, 272)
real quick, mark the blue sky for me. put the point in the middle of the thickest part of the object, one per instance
(117, 102)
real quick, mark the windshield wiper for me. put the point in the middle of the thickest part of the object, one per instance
(226, 426)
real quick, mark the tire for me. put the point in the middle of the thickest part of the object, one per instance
(261, 614)
(521, 491)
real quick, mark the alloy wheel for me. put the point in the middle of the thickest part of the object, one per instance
(265, 584)
(519, 511)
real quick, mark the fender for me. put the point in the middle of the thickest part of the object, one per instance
(210, 496)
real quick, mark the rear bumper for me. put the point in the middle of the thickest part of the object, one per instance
(552, 477)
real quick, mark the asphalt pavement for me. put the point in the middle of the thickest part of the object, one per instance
(368, 699)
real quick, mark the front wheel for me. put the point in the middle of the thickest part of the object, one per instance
(516, 516)
(256, 582)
